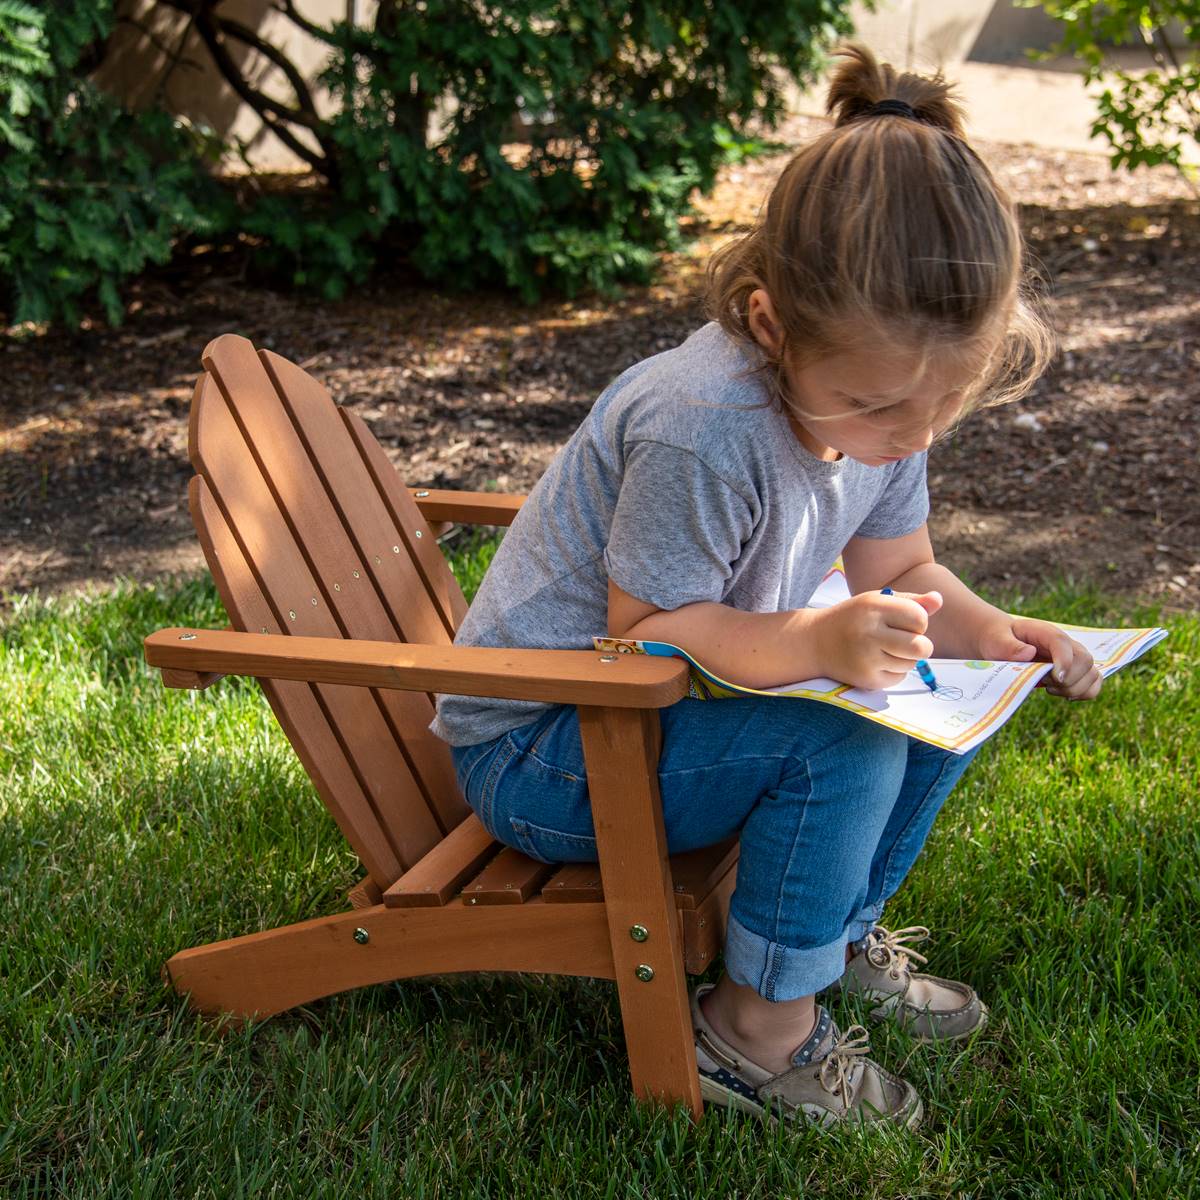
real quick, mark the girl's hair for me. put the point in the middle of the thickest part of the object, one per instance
(888, 230)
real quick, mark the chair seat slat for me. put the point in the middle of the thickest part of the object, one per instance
(441, 873)
(694, 873)
(510, 878)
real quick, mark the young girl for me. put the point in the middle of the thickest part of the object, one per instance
(702, 501)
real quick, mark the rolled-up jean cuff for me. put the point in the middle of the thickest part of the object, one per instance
(863, 923)
(778, 972)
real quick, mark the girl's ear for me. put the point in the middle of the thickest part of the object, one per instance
(764, 323)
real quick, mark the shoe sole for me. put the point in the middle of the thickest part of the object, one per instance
(714, 1093)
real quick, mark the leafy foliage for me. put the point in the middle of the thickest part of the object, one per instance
(535, 145)
(624, 110)
(89, 193)
(1147, 116)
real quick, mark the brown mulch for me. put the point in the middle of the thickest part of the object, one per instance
(1095, 476)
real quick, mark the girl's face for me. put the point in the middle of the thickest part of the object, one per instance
(877, 407)
(876, 403)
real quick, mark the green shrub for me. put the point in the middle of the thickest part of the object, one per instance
(89, 193)
(626, 110)
(1148, 116)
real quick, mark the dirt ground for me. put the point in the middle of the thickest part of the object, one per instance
(1094, 476)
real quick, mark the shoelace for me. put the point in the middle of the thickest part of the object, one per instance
(894, 947)
(854, 1044)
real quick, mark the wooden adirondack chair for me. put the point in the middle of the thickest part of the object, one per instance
(343, 606)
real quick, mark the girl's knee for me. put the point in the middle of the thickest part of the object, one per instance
(870, 755)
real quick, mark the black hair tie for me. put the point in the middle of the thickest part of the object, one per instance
(892, 108)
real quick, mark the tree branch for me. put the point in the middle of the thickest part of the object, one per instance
(275, 116)
(289, 10)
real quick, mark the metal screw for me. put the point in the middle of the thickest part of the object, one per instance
(337, 587)
(314, 602)
(292, 613)
(355, 574)
(418, 533)
(472, 899)
(395, 549)
(187, 637)
(639, 933)
(644, 973)
(264, 629)
(422, 493)
(378, 560)
(608, 658)
(361, 936)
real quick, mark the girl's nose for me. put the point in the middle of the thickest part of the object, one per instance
(918, 440)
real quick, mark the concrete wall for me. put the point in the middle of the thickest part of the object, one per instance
(979, 43)
(139, 67)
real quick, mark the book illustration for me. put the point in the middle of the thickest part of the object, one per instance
(973, 699)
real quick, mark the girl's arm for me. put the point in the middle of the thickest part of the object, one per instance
(967, 626)
(871, 641)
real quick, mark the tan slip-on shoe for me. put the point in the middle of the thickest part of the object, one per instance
(926, 1007)
(832, 1081)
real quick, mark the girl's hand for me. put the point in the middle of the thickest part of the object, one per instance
(1024, 639)
(872, 641)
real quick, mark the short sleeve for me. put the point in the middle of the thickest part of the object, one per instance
(904, 505)
(677, 529)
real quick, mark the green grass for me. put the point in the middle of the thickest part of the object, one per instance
(1063, 880)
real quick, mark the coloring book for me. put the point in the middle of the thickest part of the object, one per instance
(973, 698)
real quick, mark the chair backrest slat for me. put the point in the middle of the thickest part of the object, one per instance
(353, 589)
(439, 580)
(372, 529)
(358, 719)
(296, 705)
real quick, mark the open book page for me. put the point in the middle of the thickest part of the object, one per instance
(973, 698)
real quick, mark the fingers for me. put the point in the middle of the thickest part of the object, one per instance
(909, 611)
(1087, 687)
(1075, 674)
(907, 646)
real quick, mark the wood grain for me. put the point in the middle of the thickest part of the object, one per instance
(555, 676)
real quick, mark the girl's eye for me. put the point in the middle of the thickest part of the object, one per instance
(866, 408)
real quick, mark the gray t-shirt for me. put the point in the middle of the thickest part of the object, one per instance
(684, 483)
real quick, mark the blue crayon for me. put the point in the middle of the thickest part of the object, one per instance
(928, 678)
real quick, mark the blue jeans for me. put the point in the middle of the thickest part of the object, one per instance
(832, 811)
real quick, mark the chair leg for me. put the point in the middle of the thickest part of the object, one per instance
(261, 974)
(621, 748)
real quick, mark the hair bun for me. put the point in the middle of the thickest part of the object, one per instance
(860, 82)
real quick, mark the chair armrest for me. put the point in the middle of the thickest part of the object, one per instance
(467, 508)
(552, 676)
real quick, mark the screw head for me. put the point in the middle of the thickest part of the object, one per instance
(422, 493)
(187, 637)
(418, 533)
(639, 933)
(361, 936)
(644, 972)
(607, 658)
